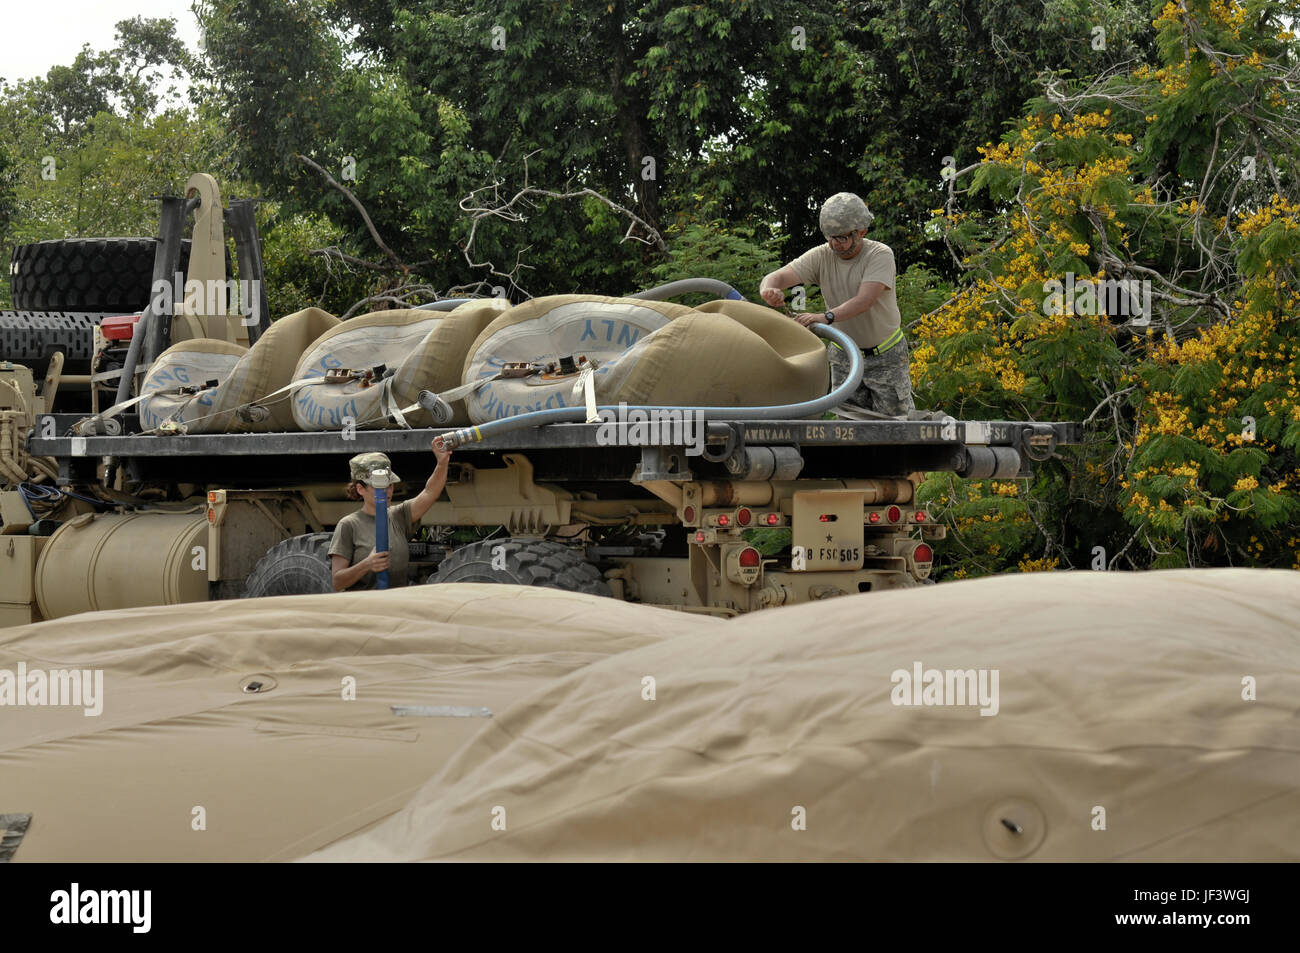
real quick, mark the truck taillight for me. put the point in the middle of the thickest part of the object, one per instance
(743, 516)
(920, 557)
(744, 565)
(894, 514)
(771, 519)
(689, 514)
(873, 517)
(724, 520)
(920, 516)
(699, 537)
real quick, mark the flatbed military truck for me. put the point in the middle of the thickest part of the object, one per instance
(98, 511)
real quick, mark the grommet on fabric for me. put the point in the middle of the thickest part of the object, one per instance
(257, 684)
(1014, 828)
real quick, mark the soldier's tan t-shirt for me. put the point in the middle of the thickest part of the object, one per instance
(841, 280)
(354, 538)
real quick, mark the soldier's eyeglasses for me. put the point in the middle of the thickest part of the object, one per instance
(843, 239)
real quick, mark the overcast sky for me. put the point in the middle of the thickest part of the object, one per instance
(38, 34)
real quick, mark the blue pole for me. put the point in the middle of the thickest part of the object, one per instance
(381, 532)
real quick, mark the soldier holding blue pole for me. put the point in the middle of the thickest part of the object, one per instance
(360, 555)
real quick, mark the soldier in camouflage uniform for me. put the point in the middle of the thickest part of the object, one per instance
(857, 278)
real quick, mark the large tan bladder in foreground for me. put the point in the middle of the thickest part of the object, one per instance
(1122, 692)
(284, 771)
(1118, 692)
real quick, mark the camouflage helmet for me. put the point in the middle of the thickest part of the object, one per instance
(844, 212)
(363, 464)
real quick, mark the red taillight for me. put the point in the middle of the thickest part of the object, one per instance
(689, 513)
(920, 516)
(773, 519)
(873, 518)
(923, 554)
(212, 516)
(894, 514)
(212, 496)
(119, 327)
(699, 537)
(724, 520)
(744, 516)
(749, 557)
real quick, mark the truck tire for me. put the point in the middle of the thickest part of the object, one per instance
(108, 275)
(293, 567)
(31, 337)
(527, 562)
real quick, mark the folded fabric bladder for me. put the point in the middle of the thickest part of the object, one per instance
(729, 353)
(243, 376)
(489, 360)
(423, 350)
(554, 330)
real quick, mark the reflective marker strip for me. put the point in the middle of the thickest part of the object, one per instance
(442, 711)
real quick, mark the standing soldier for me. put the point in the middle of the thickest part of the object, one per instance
(354, 557)
(856, 277)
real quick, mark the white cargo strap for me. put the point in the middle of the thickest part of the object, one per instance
(118, 408)
(291, 386)
(448, 396)
(464, 390)
(388, 407)
(585, 387)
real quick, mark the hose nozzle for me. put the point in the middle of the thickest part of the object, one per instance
(458, 438)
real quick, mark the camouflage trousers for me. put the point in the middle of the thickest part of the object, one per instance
(886, 386)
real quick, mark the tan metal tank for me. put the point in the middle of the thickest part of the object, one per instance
(123, 560)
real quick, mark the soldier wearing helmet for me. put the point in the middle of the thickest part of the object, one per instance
(857, 278)
(353, 559)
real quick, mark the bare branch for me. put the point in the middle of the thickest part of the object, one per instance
(333, 251)
(490, 202)
(356, 202)
(401, 296)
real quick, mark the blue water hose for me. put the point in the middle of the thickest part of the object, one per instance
(804, 409)
(446, 304)
(688, 286)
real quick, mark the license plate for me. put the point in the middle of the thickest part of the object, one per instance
(827, 531)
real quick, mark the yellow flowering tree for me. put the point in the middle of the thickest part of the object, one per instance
(1138, 274)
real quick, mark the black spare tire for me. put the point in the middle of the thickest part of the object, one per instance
(106, 275)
